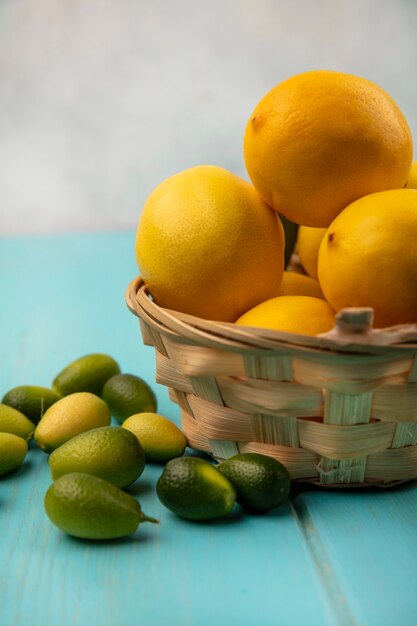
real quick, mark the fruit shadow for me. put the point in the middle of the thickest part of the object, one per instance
(19, 472)
(137, 537)
(235, 516)
(140, 487)
(241, 515)
(201, 455)
(298, 489)
(280, 511)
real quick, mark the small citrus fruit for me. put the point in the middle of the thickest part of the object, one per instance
(295, 284)
(14, 422)
(31, 400)
(71, 415)
(88, 507)
(88, 373)
(193, 488)
(261, 482)
(13, 450)
(208, 245)
(127, 394)
(295, 314)
(111, 453)
(322, 139)
(368, 257)
(160, 438)
(308, 244)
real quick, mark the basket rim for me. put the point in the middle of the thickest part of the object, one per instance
(227, 335)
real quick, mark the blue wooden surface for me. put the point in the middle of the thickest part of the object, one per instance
(335, 558)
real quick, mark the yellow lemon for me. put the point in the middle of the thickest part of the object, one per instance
(160, 438)
(369, 258)
(70, 416)
(295, 284)
(412, 176)
(322, 139)
(295, 314)
(308, 244)
(208, 245)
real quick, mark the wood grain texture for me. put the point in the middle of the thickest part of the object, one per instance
(329, 558)
(368, 540)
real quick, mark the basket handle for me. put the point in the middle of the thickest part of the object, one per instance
(353, 327)
(354, 321)
(356, 324)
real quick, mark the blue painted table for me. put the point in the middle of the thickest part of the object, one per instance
(336, 558)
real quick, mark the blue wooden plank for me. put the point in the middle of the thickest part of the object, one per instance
(65, 298)
(238, 571)
(364, 544)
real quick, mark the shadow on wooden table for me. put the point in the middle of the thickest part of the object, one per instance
(140, 487)
(298, 489)
(139, 536)
(18, 473)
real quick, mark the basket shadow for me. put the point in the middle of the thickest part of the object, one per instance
(298, 489)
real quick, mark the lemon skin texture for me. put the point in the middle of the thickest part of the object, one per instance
(294, 284)
(369, 259)
(70, 416)
(308, 245)
(412, 176)
(304, 315)
(208, 245)
(160, 438)
(322, 139)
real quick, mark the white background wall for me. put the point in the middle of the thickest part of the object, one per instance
(102, 99)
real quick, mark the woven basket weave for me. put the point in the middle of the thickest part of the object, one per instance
(339, 409)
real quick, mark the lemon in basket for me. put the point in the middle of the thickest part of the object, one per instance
(308, 245)
(304, 315)
(319, 140)
(368, 257)
(208, 245)
(295, 284)
(412, 176)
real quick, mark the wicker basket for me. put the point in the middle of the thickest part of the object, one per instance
(339, 409)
